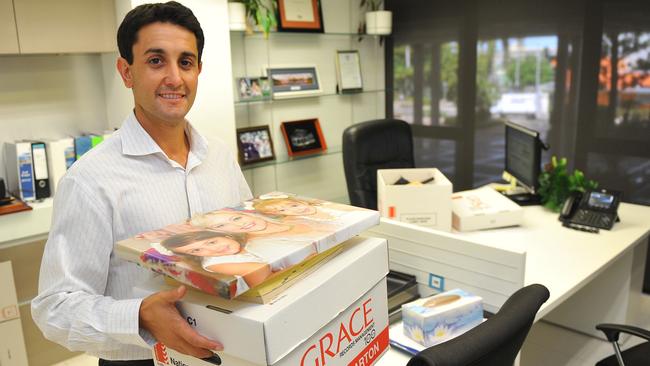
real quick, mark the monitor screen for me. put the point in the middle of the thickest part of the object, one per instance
(523, 155)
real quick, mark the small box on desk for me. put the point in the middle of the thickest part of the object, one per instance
(427, 204)
(335, 316)
(484, 208)
(435, 319)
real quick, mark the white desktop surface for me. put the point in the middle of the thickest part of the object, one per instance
(562, 259)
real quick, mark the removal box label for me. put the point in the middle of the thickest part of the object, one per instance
(356, 337)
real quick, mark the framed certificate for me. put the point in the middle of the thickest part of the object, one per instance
(300, 16)
(348, 71)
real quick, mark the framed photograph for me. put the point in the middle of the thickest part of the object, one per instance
(257, 88)
(348, 71)
(303, 137)
(300, 16)
(254, 144)
(294, 82)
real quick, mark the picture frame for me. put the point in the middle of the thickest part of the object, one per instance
(255, 144)
(303, 137)
(294, 81)
(253, 88)
(348, 72)
(300, 16)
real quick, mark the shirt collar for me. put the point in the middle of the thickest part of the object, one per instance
(136, 141)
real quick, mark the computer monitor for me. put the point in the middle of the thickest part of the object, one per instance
(523, 155)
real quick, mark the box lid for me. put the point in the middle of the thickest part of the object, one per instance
(481, 201)
(265, 333)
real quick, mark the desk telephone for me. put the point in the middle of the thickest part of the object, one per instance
(591, 210)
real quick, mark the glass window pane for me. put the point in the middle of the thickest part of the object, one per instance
(624, 90)
(426, 83)
(515, 81)
(435, 153)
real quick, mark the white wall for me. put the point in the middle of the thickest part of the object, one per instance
(50, 96)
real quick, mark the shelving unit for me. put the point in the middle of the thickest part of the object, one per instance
(320, 175)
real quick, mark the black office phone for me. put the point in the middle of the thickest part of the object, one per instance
(593, 209)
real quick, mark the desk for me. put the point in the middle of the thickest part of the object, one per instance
(567, 262)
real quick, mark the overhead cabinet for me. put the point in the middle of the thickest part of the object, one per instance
(66, 26)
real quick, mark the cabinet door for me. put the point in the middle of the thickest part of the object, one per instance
(66, 26)
(8, 37)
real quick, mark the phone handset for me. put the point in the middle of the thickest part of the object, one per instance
(570, 205)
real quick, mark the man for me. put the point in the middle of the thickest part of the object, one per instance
(155, 171)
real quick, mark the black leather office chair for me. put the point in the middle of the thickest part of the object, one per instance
(633, 356)
(496, 341)
(372, 145)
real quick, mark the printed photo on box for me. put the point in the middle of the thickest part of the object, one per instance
(253, 88)
(303, 137)
(229, 251)
(254, 144)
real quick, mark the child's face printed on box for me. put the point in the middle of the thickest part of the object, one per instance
(211, 247)
(290, 208)
(235, 222)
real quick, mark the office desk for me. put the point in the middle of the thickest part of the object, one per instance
(591, 277)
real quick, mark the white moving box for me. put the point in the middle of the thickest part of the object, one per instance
(426, 205)
(484, 208)
(336, 315)
(12, 344)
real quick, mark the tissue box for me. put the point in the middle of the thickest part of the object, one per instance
(436, 319)
(484, 208)
(337, 315)
(426, 205)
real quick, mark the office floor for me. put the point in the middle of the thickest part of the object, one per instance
(547, 344)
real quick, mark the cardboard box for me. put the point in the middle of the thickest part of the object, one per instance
(12, 344)
(426, 205)
(334, 316)
(484, 208)
(435, 319)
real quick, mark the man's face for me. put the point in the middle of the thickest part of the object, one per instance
(212, 247)
(164, 73)
(235, 222)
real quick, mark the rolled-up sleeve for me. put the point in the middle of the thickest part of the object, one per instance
(71, 308)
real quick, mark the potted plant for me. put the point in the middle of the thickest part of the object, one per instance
(263, 14)
(556, 184)
(378, 21)
(237, 16)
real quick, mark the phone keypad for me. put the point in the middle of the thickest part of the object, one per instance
(594, 219)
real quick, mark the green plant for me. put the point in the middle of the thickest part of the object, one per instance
(556, 184)
(263, 14)
(371, 5)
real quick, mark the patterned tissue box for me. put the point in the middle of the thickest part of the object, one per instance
(435, 319)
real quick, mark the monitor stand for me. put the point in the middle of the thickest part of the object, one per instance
(525, 199)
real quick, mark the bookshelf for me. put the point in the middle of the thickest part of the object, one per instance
(319, 175)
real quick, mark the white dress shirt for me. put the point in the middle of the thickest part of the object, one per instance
(124, 186)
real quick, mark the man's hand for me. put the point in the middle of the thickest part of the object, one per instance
(158, 315)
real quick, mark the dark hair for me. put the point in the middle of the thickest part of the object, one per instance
(169, 12)
(183, 239)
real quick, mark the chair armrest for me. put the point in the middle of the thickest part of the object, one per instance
(612, 331)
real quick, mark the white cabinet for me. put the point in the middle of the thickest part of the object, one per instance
(8, 38)
(66, 26)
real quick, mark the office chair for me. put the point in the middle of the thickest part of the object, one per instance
(496, 341)
(634, 356)
(372, 145)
